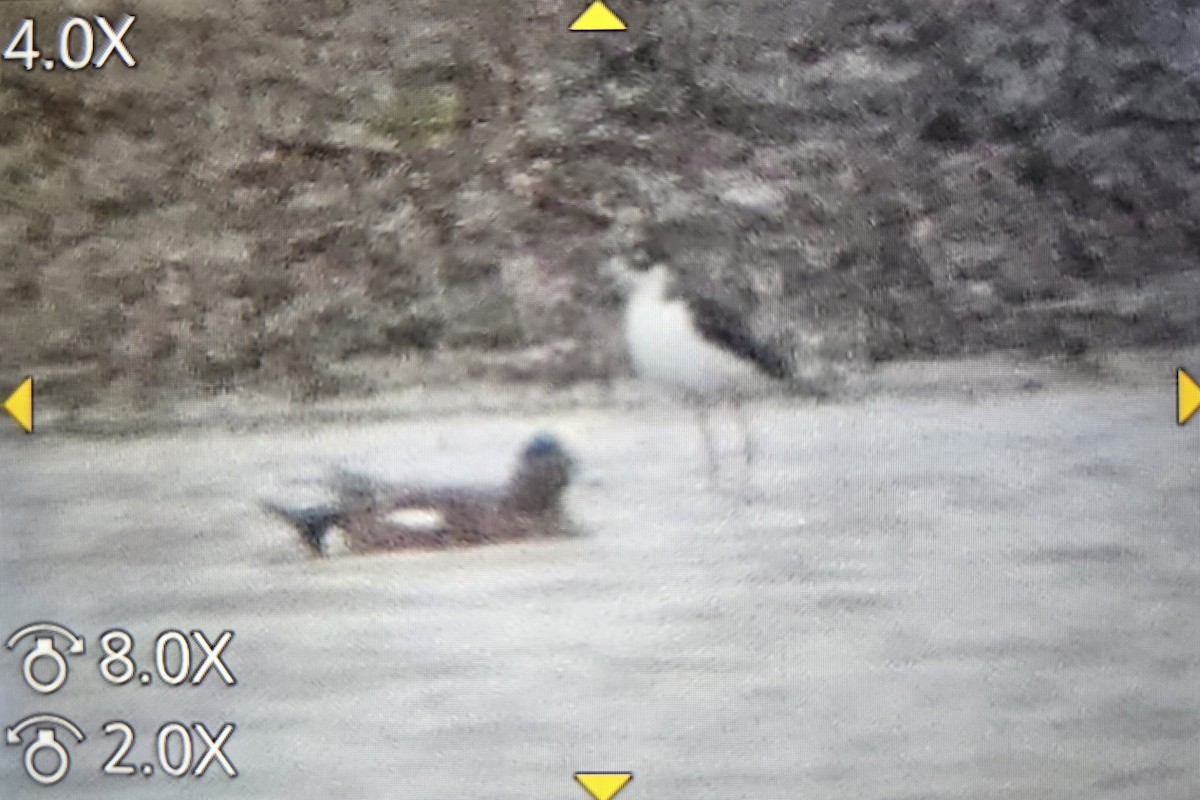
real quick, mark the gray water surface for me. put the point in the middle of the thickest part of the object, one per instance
(899, 599)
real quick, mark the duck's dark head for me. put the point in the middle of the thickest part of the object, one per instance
(543, 472)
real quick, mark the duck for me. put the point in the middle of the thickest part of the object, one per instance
(371, 517)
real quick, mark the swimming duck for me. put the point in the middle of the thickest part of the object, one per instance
(369, 517)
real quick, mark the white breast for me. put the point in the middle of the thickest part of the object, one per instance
(665, 347)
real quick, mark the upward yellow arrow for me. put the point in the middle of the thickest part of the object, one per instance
(20, 405)
(1189, 396)
(598, 17)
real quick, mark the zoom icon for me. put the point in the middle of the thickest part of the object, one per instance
(47, 760)
(45, 666)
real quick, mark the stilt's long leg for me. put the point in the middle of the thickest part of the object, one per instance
(709, 447)
(747, 436)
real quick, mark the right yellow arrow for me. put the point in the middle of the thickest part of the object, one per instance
(598, 17)
(20, 405)
(603, 785)
(1189, 396)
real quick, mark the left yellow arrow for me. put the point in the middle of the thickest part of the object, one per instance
(20, 405)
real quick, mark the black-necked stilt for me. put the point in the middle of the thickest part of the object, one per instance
(697, 348)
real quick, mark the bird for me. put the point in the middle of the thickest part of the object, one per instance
(698, 349)
(369, 516)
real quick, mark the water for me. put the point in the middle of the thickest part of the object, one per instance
(900, 599)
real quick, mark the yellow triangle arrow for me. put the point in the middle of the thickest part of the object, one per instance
(1189, 396)
(20, 405)
(598, 17)
(603, 785)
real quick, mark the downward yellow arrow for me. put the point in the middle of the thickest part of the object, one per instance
(603, 785)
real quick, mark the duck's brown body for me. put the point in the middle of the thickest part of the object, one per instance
(414, 518)
(452, 519)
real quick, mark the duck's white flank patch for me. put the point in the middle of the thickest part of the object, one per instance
(424, 520)
(335, 542)
(665, 346)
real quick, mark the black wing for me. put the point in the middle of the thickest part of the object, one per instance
(723, 327)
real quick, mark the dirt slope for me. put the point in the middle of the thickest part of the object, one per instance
(281, 189)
